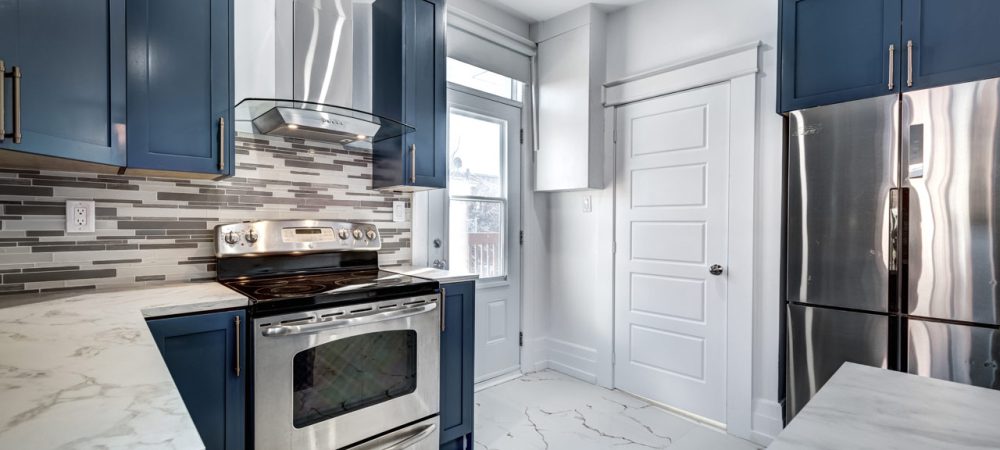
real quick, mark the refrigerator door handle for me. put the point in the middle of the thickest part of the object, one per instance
(894, 230)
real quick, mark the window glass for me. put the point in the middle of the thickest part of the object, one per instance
(476, 152)
(483, 80)
(352, 373)
(476, 236)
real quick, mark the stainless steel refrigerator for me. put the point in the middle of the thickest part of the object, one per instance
(893, 238)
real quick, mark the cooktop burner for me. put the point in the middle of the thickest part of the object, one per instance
(325, 288)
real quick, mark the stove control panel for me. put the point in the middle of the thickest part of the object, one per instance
(294, 236)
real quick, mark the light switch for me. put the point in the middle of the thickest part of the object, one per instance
(399, 211)
(588, 204)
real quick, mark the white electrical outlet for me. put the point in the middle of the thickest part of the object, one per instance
(79, 216)
(399, 211)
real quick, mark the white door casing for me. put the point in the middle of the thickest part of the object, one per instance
(671, 227)
(498, 303)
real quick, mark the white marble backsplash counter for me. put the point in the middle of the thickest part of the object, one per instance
(82, 370)
(869, 408)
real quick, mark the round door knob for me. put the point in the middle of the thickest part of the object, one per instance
(343, 234)
(251, 236)
(370, 235)
(232, 238)
(715, 270)
(357, 233)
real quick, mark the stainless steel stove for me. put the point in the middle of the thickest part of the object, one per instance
(345, 355)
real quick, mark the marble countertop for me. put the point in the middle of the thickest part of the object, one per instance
(441, 275)
(81, 370)
(866, 407)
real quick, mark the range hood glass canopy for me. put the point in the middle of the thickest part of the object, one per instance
(315, 121)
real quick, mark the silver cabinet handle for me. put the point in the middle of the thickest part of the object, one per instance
(892, 63)
(238, 345)
(413, 163)
(715, 270)
(444, 299)
(414, 438)
(3, 74)
(909, 63)
(222, 144)
(360, 319)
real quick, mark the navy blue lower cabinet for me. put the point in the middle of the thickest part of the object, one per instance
(458, 340)
(179, 86)
(206, 355)
(950, 41)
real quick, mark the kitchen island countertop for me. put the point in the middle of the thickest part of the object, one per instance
(81, 370)
(867, 407)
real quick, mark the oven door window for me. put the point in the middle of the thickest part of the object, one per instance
(352, 373)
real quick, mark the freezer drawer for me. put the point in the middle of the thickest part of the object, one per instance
(820, 340)
(842, 165)
(960, 353)
(951, 157)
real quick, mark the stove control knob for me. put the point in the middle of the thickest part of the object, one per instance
(232, 238)
(251, 236)
(371, 235)
(343, 234)
(357, 234)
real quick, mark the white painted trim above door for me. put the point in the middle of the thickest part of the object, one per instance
(739, 68)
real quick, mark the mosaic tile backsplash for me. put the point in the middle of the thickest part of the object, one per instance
(154, 230)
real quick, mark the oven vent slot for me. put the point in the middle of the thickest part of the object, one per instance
(415, 302)
(389, 306)
(355, 311)
(297, 321)
(333, 314)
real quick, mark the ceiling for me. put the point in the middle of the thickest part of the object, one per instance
(539, 10)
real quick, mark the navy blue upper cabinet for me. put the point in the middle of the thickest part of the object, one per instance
(950, 41)
(834, 51)
(458, 340)
(179, 85)
(203, 353)
(71, 55)
(409, 85)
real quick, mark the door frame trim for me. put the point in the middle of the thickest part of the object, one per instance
(739, 68)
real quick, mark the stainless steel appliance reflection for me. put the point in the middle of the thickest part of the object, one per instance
(333, 377)
(893, 237)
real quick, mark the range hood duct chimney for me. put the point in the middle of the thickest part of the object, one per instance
(323, 76)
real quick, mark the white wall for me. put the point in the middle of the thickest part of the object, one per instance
(642, 37)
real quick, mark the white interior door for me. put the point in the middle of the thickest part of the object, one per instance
(483, 210)
(671, 227)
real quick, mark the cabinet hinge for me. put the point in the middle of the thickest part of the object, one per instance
(614, 247)
(522, 135)
(614, 135)
(521, 237)
(520, 339)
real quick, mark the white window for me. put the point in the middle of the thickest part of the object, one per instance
(483, 80)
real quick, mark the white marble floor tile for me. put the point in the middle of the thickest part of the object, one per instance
(551, 411)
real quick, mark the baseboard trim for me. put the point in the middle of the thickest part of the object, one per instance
(767, 421)
(572, 359)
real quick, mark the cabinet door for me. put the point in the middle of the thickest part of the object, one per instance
(834, 51)
(409, 84)
(203, 353)
(458, 340)
(952, 41)
(179, 85)
(71, 54)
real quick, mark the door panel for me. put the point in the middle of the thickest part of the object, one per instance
(952, 156)
(953, 40)
(72, 58)
(837, 50)
(483, 211)
(672, 183)
(457, 360)
(841, 167)
(960, 353)
(820, 340)
(426, 85)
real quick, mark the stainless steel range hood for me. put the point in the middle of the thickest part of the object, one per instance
(322, 76)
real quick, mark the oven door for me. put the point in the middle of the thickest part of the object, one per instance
(330, 378)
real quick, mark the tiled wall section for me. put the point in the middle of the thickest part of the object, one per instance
(156, 230)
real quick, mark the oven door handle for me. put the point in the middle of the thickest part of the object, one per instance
(360, 319)
(410, 439)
